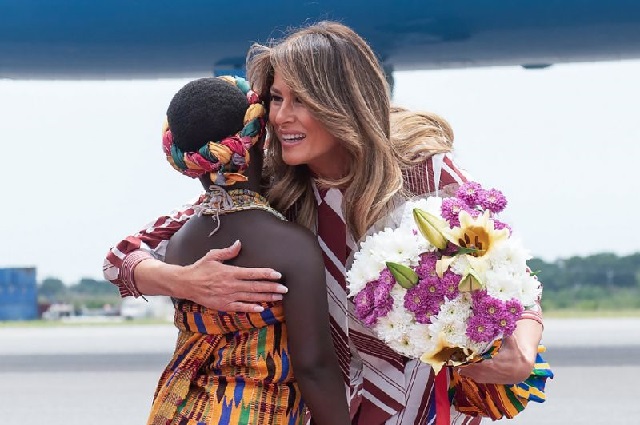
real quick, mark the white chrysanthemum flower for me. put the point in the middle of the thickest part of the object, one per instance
(509, 254)
(404, 248)
(456, 310)
(388, 245)
(530, 291)
(421, 340)
(364, 269)
(460, 265)
(453, 332)
(389, 330)
(502, 285)
(431, 204)
(394, 327)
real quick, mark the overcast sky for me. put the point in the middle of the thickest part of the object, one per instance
(83, 165)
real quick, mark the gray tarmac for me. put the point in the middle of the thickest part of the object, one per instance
(107, 374)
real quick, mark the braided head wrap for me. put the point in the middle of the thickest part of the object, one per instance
(211, 125)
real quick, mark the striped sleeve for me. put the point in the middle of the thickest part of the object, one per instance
(438, 175)
(150, 242)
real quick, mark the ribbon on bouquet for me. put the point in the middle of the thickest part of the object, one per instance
(443, 406)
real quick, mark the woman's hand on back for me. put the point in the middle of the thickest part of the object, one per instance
(211, 283)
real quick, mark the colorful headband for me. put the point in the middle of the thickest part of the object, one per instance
(228, 158)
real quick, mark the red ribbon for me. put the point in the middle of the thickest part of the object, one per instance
(443, 408)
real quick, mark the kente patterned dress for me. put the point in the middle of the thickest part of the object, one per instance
(229, 368)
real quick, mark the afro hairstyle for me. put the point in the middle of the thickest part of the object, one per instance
(204, 110)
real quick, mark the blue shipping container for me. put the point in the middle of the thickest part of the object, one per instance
(18, 294)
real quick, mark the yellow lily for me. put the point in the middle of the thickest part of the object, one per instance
(476, 237)
(447, 354)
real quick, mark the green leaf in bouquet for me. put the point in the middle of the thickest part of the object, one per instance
(404, 275)
(433, 228)
(464, 250)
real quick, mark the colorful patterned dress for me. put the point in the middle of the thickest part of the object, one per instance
(228, 368)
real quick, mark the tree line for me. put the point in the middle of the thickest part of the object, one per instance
(87, 292)
(603, 281)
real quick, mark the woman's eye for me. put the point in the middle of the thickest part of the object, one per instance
(297, 100)
(276, 98)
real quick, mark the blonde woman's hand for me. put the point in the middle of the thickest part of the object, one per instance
(210, 282)
(515, 359)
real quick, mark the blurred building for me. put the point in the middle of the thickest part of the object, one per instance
(18, 293)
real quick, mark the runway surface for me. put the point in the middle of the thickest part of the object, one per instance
(107, 374)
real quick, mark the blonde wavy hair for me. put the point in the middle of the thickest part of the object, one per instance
(336, 75)
(417, 135)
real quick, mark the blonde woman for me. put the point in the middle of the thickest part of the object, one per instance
(333, 168)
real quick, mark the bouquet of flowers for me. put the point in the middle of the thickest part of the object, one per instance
(447, 282)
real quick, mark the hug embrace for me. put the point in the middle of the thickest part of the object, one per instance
(299, 164)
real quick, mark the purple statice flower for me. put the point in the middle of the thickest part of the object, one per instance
(451, 208)
(386, 279)
(499, 225)
(433, 285)
(363, 302)
(450, 282)
(382, 294)
(480, 329)
(378, 312)
(470, 193)
(375, 299)
(417, 299)
(489, 307)
(474, 212)
(432, 309)
(506, 324)
(423, 318)
(427, 265)
(514, 308)
(477, 296)
(492, 200)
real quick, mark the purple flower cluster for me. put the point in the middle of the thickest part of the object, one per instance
(492, 200)
(451, 208)
(473, 199)
(492, 318)
(470, 193)
(426, 297)
(427, 266)
(375, 300)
